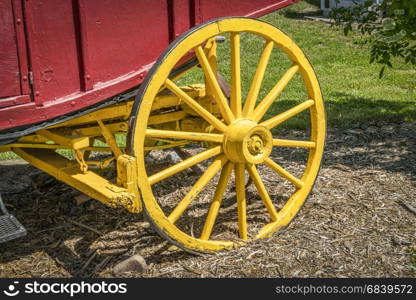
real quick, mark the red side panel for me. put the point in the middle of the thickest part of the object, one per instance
(181, 13)
(79, 45)
(82, 52)
(53, 49)
(121, 36)
(9, 62)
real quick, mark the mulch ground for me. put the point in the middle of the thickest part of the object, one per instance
(358, 221)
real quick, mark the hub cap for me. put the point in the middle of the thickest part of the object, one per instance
(247, 142)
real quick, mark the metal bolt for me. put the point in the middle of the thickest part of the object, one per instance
(24, 78)
(37, 93)
(18, 21)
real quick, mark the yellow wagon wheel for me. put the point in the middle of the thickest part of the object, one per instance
(238, 146)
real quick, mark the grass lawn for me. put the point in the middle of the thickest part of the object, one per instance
(352, 90)
(353, 93)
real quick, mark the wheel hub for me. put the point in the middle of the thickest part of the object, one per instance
(247, 142)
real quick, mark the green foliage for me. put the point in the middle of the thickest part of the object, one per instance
(390, 29)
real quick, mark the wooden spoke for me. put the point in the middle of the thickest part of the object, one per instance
(212, 79)
(210, 50)
(210, 118)
(235, 75)
(274, 93)
(166, 146)
(257, 79)
(293, 143)
(241, 200)
(187, 163)
(280, 118)
(254, 174)
(197, 188)
(216, 201)
(285, 174)
(183, 135)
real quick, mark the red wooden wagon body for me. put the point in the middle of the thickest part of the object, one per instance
(105, 80)
(61, 56)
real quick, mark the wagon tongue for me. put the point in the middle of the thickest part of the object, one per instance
(10, 227)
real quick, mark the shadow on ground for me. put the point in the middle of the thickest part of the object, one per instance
(46, 206)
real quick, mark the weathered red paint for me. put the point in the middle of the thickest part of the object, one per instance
(14, 80)
(81, 52)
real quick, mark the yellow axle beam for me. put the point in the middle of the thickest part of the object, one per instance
(89, 182)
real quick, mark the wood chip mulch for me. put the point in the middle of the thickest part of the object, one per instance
(358, 222)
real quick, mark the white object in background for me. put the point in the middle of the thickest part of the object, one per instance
(328, 5)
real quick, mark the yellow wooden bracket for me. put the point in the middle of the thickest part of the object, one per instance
(119, 111)
(89, 182)
(72, 142)
(127, 178)
(109, 138)
(210, 50)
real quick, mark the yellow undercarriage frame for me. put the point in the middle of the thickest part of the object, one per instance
(82, 150)
(238, 140)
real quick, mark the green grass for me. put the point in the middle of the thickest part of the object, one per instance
(352, 91)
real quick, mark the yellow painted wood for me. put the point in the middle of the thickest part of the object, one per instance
(34, 138)
(210, 50)
(89, 182)
(235, 101)
(183, 135)
(195, 106)
(5, 148)
(109, 138)
(127, 178)
(250, 140)
(216, 89)
(72, 142)
(120, 111)
(167, 117)
(264, 195)
(285, 174)
(216, 201)
(55, 147)
(265, 104)
(240, 190)
(197, 188)
(258, 79)
(293, 143)
(166, 146)
(280, 118)
(91, 130)
(159, 176)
